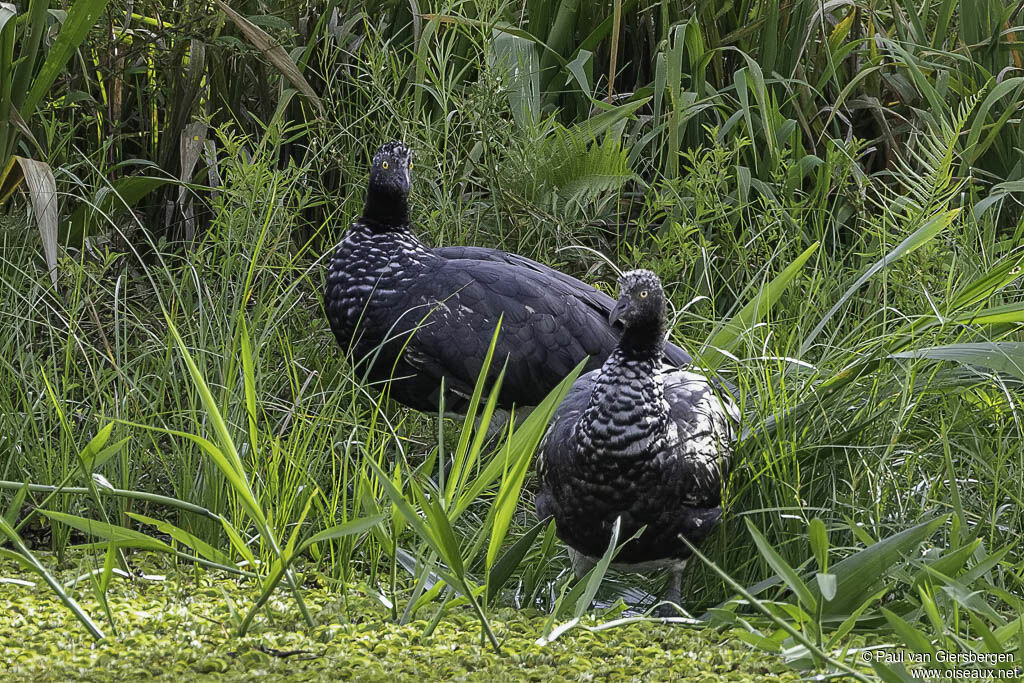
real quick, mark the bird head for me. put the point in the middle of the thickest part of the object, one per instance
(391, 170)
(387, 195)
(641, 300)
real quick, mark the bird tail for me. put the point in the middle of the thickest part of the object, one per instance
(677, 356)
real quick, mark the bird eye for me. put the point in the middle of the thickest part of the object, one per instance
(410, 165)
(384, 165)
(643, 294)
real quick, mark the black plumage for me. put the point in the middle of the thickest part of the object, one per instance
(638, 439)
(412, 314)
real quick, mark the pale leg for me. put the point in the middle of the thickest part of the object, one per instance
(673, 592)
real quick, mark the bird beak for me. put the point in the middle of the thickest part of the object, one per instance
(613, 316)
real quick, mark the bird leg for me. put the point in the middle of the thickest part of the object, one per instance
(581, 564)
(494, 427)
(673, 592)
(492, 437)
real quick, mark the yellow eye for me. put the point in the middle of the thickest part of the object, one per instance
(643, 294)
(384, 165)
(410, 165)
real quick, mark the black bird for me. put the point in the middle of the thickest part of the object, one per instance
(641, 440)
(412, 314)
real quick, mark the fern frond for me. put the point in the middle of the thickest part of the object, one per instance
(927, 178)
(580, 170)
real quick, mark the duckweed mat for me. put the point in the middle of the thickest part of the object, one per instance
(183, 626)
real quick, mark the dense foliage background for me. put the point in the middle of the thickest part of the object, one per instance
(831, 192)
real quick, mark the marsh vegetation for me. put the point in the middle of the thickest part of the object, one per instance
(830, 192)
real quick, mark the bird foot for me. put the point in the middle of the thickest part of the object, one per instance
(666, 610)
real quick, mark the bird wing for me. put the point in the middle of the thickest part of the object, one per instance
(594, 298)
(704, 419)
(545, 331)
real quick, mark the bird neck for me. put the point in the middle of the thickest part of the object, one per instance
(371, 247)
(627, 413)
(643, 341)
(386, 208)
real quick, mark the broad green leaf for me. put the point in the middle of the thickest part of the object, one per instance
(930, 609)
(888, 674)
(782, 624)
(1005, 357)
(818, 535)
(993, 281)
(912, 637)
(88, 454)
(993, 315)
(81, 16)
(517, 56)
(1013, 629)
(952, 562)
(356, 526)
(14, 508)
(441, 528)
(992, 643)
(107, 453)
(125, 192)
(595, 126)
(849, 622)
(577, 67)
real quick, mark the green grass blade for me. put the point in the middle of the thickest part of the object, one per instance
(932, 227)
(857, 574)
(782, 568)
(117, 534)
(596, 576)
(501, 571)
(184, 537)
(728, 333)
(356, 526)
